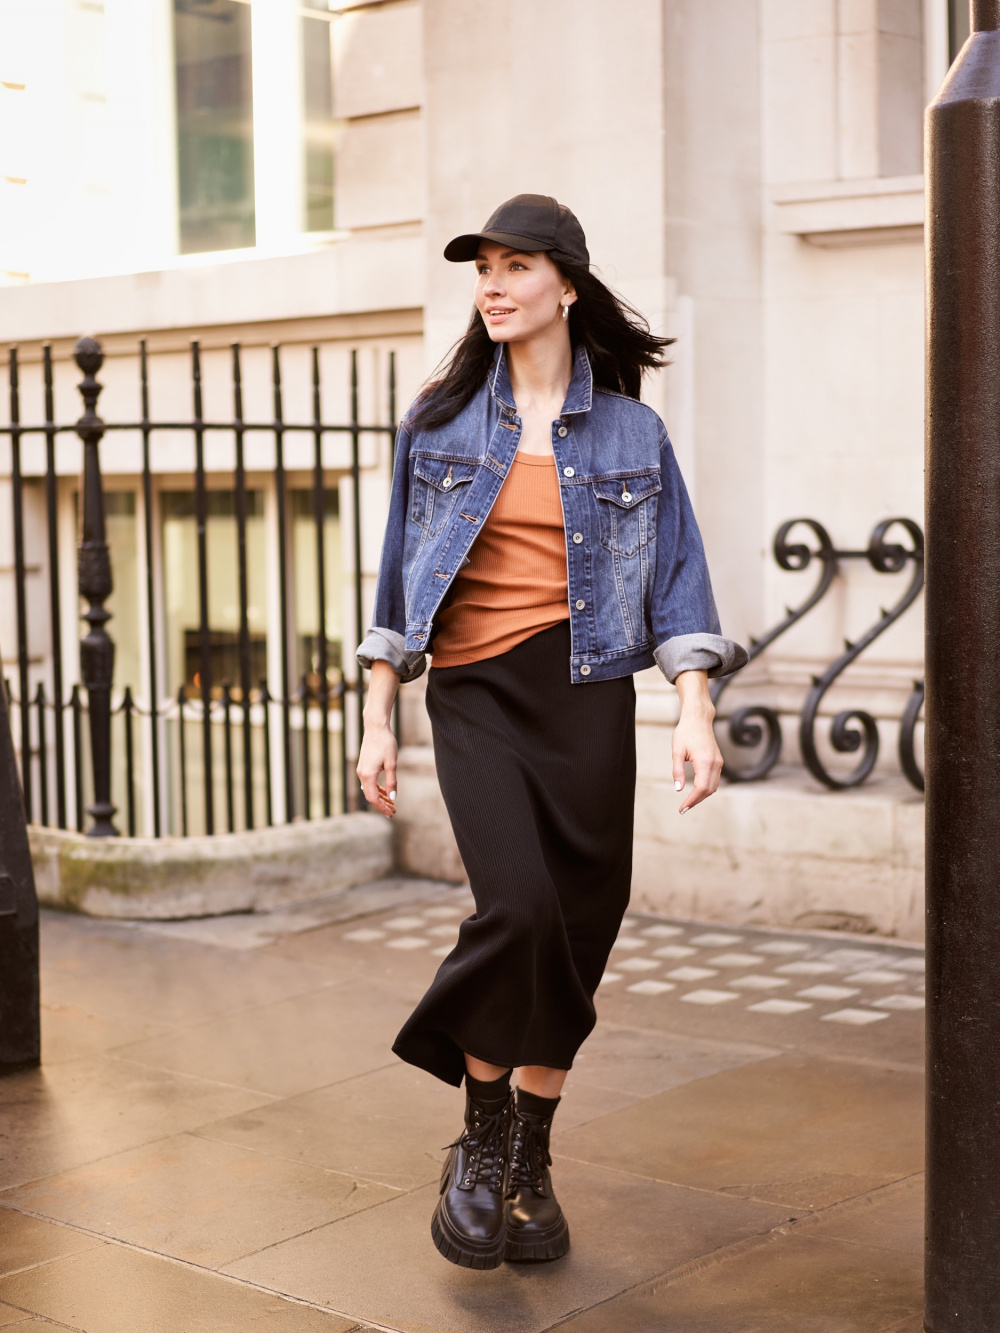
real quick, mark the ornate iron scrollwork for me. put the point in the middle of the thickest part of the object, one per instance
(854, 727)
(907, 736)
(748, 725)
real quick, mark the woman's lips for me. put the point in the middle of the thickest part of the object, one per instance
(497, 314)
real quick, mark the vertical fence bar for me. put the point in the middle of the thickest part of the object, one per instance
(281, 498)
(204, 631)
(128, 707)
(182, 755)
(265, 702)
(304, 696)
(97, 652)
(359, 610)
(20, 586)
(397, 710)
(962, 730)
(147, 504)
(244, 593)
(319, 518)
(227, 731)
(55, 621)
(76, 710)
(43, 745)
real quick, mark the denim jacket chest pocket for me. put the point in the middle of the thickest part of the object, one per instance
(437, 484)
(626, 507)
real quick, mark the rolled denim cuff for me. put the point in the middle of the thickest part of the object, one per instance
(386, 645)
(700, 652)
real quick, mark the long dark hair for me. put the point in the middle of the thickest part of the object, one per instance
(616, 336)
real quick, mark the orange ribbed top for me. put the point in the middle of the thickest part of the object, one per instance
(515, 582)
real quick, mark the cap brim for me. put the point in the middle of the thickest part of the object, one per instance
(464, 248)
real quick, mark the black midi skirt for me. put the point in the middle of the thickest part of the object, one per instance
(538, 776)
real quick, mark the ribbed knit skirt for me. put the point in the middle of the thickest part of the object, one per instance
(538, 776)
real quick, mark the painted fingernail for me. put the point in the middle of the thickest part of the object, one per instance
(392, 796)
(678, 786)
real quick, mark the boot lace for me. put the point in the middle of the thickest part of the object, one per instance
(529, 1155)
(483, 1142)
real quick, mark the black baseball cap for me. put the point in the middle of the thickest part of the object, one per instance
(527, 222)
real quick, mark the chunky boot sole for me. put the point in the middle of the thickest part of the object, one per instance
(456, 1249)
(552, 1244)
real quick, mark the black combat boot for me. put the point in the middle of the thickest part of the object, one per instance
(536, 1227)
(468, 1224)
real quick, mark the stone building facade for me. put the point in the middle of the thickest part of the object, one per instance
(749, 173)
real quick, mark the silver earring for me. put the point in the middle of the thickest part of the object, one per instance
(565, 312)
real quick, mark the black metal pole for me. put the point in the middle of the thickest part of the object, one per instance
(319, 518)
(20, 583)
(204, 630)
(284, 618)
(147, 504)
(55, 600)
(963, 688)
(97, 652)
(20, 1039)
(241, 563)
(359, 608)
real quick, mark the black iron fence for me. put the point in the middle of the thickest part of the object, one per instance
(225, 752)
(757, 727)
(223, 744)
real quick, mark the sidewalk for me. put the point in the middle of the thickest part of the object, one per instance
(220, 1139)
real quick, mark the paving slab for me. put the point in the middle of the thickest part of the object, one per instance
(791, 1129)
(224, 1093)
(122, 973)
(643, 1063)
(27, 1241)
(68, 1032)
(117, 1290)
(206, 1202)
(382, 1266)
(290, 1045)
(54, 1119)
(796, 1284)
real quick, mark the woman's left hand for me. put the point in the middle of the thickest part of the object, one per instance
(694, 739)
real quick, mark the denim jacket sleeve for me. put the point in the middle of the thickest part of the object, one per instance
(685, 622)
(386, 639)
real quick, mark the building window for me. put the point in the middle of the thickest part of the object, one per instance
(214, 124)
(317, 88)
(180, 565)
(958, 26)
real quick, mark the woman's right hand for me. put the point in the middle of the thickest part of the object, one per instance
(378, 745)
(378, 755)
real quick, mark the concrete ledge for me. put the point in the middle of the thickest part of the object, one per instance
(785, 852)
(171, 878)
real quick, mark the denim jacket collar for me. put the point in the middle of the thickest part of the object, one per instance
(579, 395)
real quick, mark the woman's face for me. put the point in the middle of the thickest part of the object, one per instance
(519, 295)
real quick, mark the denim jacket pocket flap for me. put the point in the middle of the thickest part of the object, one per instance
(443, 474)
(627, 491)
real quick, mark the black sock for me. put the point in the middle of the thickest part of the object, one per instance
(532, 1104)
(491, 1096)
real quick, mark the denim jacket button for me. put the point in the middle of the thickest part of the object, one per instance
(569, 471)
(580, 604)
(627, 497)
(585, 671)
(446, 483)
(562, 432)
(577, 537)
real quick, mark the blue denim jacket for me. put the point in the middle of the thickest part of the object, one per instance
(639, 589)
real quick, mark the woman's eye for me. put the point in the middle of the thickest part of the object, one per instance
(517, 264)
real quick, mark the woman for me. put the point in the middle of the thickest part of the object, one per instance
(541, 546)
